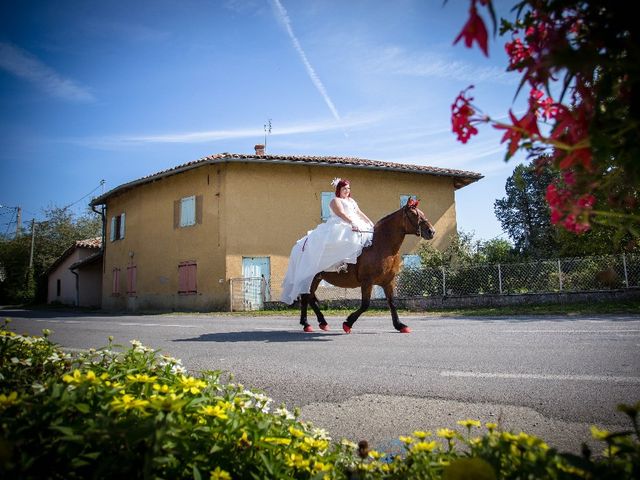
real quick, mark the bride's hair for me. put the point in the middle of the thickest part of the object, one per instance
(342, 183)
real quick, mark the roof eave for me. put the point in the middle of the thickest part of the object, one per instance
(460, 181)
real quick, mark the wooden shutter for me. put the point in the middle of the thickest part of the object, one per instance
(121, 226)
(176, 213)
(112, 233)
(132, 274)
(115, 287)
(199, 209)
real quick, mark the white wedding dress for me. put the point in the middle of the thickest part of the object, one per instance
(327, 248)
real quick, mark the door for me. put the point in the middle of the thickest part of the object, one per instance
(256, 272)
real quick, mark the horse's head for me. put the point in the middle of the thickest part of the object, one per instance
(415, 221)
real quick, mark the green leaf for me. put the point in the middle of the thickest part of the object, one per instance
(196, 473)
(83, 408)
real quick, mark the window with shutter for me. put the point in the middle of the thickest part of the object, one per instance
(132, 274)
(187, 274)
(117, 227)
(188, 211)
(325, 209)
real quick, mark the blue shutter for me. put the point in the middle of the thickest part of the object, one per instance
(112, 233)
(121, 226)
(325, 209)
(188, 211)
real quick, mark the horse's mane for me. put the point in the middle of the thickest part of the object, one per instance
(385, 218)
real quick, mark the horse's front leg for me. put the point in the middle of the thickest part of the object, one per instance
(364, 305)
(304, 302)
(313, 302)
(397, 324)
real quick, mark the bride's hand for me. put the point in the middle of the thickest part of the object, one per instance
(354, 228)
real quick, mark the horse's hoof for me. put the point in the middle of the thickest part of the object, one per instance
(308, 329)
(324, 326)
(346, 327)
(405, 330)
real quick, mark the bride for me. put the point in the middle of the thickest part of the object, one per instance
(330, 246)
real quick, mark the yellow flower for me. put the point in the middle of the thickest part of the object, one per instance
(599, 434)
(219, 474)
(161, 388)
(348, 443)
(296, 460)
(191, 384)
(295, 432)
(446, 433)
(321, 467)
(312, 443)
(9, 400)
(405, 440)
(424, 446)
(141, 378)
(421, 434)
(491, 426)
(216, 411)
(277, 440)
(167, 403)
(75, 378)
(128, 402)
(375, 454)
(469, 423)
(244, 441)
(104, 376)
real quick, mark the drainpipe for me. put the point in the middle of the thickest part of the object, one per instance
(104, 231)
(77, 287)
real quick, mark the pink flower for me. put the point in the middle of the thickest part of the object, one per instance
(462, 117)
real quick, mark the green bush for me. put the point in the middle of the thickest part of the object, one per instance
(139, 414)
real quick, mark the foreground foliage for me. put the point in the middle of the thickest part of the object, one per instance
(139, 414)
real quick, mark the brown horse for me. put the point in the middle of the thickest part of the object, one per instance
(377, 265)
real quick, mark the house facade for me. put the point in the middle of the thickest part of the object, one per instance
(176, 239)
(66, 286)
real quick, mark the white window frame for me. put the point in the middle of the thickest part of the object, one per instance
(119, 234)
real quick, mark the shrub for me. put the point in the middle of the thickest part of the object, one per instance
(139, 414)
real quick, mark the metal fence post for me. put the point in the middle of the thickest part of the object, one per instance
(560, 274)
(624, 266)
(499, 279)
(444, 284)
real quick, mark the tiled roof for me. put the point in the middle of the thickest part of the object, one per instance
(89, 243)
(462, 178)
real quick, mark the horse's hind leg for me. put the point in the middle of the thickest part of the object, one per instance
(397, 324)
(364, 305)
(304, 301)
(313, 302)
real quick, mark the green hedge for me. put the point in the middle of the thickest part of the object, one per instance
(138, 414)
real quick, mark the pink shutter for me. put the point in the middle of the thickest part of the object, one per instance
(187, 277)
(115, 288)
(132, 273)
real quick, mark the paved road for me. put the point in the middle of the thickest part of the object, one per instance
(550, 376)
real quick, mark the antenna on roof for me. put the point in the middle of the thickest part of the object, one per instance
(267, 131)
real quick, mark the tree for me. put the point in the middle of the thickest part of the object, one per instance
(524, 213)
(53, 236)
(590, 132)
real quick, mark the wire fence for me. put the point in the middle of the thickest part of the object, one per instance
(610, 272)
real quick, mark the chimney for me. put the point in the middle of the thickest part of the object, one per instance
(259, 149)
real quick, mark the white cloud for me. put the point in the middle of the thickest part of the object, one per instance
(397, 61)
(24, 65)
(226, 134)
(283, 18)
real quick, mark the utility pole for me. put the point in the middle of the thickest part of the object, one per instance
(33, 237)
(18, 221)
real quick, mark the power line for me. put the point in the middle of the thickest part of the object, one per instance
(102, 182)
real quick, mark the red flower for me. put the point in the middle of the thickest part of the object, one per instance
(526, 127)
(462, 117)
(474, 30)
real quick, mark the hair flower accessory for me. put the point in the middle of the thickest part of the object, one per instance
(336, 181)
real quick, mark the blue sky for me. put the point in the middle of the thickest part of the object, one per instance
(117, 90)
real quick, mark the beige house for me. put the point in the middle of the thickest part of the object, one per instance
(175, 240)
(75, 278)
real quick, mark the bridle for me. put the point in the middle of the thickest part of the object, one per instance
(417, 226)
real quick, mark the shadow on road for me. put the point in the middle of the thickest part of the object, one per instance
(276, 336)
